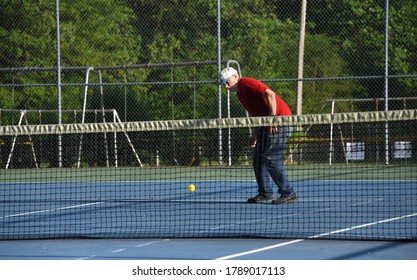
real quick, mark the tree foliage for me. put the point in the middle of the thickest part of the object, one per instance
(344, 38)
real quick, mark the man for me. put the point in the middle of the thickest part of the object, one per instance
(268, 142)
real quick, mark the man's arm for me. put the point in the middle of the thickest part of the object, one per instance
(253, 138)
(272, 103)
(272, 107)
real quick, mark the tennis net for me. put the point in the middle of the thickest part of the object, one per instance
(355, 176)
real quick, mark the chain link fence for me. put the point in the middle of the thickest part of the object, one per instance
(131, 60)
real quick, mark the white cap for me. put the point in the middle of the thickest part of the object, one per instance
(226, 74)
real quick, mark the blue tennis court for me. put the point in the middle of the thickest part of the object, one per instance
(206, 249)
(346, 209)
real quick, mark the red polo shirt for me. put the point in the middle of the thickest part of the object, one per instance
(250, 93)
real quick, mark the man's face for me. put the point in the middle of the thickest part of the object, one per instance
(231, 84)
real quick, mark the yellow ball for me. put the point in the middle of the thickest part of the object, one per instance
(191, 188)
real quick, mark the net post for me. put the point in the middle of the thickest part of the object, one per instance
(386, 73)
(59, 69)
(331, 137)
(219, 86)
(115, 140)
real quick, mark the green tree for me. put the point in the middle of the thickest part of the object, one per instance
(357, 28)
(95, 32)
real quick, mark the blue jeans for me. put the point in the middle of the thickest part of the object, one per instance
(267, 160)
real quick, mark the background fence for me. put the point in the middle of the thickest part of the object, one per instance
(159, 60)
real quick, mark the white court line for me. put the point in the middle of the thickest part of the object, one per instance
(123, 249)
(150, 243)
(86, 258)
(260, 250)
(50, 210)
(289, 215)
(118, 250)
(315, 236)
(362, 226)
(137, 246)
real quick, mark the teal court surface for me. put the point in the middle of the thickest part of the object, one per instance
(159, 219)
(206, 249)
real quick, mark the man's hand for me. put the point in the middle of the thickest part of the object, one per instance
(252, 139)
(273, 130)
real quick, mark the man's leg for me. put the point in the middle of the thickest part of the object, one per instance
(273, 159)
(265, 191)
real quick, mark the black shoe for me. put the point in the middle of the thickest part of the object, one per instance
(260, 198)
(284, 199)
